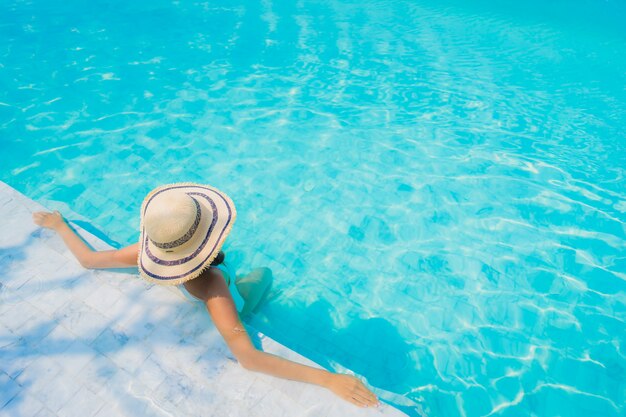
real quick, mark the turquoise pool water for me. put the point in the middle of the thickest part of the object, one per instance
(438, 186)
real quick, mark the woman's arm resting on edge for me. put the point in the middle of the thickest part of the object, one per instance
(222, 309)
(121, 258)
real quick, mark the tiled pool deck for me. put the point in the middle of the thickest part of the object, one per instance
(75, 342)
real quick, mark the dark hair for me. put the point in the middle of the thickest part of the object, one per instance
(218, 259)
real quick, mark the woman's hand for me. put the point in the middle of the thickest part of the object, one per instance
(352, 389)
(48, 220)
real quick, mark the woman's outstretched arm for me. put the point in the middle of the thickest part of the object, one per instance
(121, 258)
(221, 307)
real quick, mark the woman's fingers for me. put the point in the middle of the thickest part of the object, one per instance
(355, 399)
(37, 217)
(363, 397)
(369, 399)
(45, 219)
(351, 389)
(364, 392)
(361, 401)
(369, 395)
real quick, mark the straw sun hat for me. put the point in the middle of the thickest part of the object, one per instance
(183, 227)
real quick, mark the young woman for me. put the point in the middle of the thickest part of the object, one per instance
(183, 227)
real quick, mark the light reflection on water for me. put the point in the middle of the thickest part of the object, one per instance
(438, 188)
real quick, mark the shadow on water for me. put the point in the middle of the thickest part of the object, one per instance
(369, 346)
(96, 232)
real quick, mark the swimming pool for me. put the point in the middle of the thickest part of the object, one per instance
(438, 187)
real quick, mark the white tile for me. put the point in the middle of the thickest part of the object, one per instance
(10, 388)
(104, 299)
(161, 295)
(75, 358)
(15, 272)
(126, 352)
(57, 394)
(55, 264)
(151, 373)
(292, 389)
(125, 396)
(238, 380)
(45, 412)
(162, 342)
(128, 284)
(19, 315)
(8, 299)
(131, 357)
(21, 406)
(232, 409)
(40, 374)
(109, 341)
(276, 404)
(55, 244)
(16, 356)
(340, 410)
(387, 410)
(195, 324)
(189, 350)
(255, 393)
(114, 408)
(132, 318)
(36, 328)
(42, 262)
(319, 410)
(84, 404)
(191, 405)
(316, 395)
(97, 373)
(81, 320)
(175, 388)
(209, 366)
(6, 335)
(56, 342)
(48, 301)
(81, 288)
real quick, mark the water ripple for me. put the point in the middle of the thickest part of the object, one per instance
(437, 186)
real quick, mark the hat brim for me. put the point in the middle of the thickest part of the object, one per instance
(174, 268)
